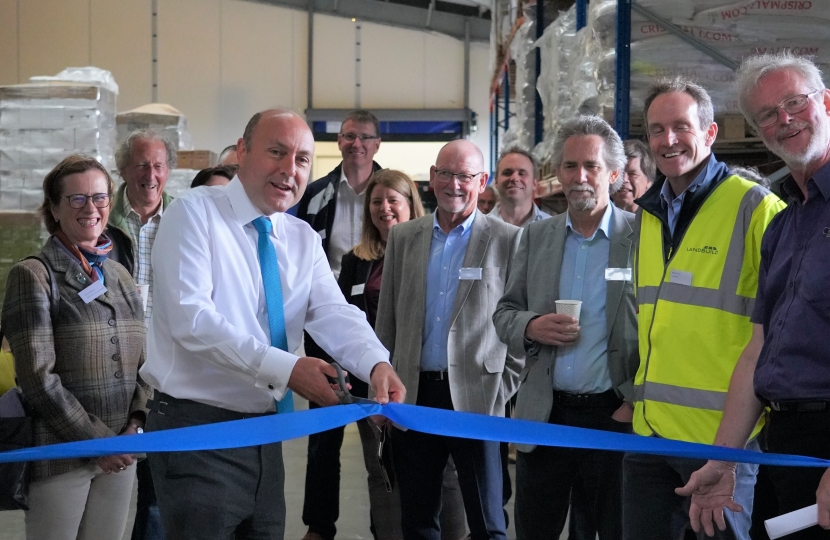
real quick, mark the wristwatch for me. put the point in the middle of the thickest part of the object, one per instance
(138, 429)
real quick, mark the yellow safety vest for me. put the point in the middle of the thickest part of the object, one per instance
(694, 310)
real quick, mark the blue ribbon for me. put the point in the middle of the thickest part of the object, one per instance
(282, 427)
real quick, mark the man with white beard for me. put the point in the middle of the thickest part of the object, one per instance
(785, 365)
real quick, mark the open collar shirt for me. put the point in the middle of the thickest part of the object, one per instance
(209, 339)
(348, 222)
(582, 368)
(446, 256)
(143, 236)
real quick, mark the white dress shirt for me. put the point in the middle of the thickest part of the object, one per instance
(209, 339)
(348, 223)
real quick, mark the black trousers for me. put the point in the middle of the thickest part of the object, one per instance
(544, 478)
(234, 494)
(321, 503)
(420, 460)
(805, 434)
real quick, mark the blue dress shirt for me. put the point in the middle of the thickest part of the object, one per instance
(446, 255)
(674, 203)
(582, 368)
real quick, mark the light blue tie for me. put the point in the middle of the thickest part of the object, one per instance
(273, 296)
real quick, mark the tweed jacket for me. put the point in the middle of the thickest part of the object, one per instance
(78, 373)
(482, 375)
(533, 289)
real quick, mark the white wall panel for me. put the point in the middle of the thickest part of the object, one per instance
(121, 39)
(480, 96)
(9, 66)
(392, 67)
(443, 72)
(334, 62)
(263, 53)
(189, 67)
(53, 36)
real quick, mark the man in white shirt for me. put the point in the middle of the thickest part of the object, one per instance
(209, 353)
(516, 181)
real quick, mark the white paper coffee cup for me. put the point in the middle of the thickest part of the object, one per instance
(569, 307)
(144, 293)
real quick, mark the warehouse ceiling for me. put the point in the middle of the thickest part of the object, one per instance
(455, 18)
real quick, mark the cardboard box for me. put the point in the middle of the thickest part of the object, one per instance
(196, 159)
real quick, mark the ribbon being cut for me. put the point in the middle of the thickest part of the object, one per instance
(282, 427)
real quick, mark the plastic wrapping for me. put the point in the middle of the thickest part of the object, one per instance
(160, 117)
(522, 51)
(556, 46)
(88, 75)
(43, 122)
(735, 29)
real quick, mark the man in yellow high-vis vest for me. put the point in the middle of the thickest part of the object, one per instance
(785, 99)
(696, 276)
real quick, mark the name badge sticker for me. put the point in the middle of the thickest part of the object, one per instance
(681, 278)
(618, 274)
(470, 273)
(92, 292)
(358, 289)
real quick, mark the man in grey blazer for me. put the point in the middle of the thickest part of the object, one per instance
(443, 275)
(579, 371)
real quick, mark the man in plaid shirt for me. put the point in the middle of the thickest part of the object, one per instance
(144, 161)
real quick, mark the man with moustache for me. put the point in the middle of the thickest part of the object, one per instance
(516, 180)
(640, 172)
(442, 277)
(238, 282)
(784, 99)
(696, 275)
(580, 372)
(144, 161)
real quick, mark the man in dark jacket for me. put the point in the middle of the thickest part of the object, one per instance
(333, 206)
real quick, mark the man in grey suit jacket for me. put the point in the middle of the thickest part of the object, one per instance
(579, 371)
(443, 275)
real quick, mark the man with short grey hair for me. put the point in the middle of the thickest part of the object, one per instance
(516, 180)
(144, 160)
(784, 99)
(696, 279)
(580, 370)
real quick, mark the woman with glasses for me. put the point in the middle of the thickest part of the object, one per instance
(391, 198)
(78, 368)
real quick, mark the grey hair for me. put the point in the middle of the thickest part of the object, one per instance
(124, 152)
(705, 109)
(755, 67)
(522, 152)
(583, 126)
(750, 173)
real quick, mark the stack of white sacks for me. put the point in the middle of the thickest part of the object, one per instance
(48, 119)
(584, 78)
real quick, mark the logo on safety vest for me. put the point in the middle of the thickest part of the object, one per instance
(708, 250)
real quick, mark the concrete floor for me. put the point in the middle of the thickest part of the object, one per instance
(354, 498)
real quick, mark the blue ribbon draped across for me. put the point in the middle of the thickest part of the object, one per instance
(282, 427)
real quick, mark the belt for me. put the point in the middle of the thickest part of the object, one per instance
(608, 398)
(435, 375)
(798, 406)
(167, 405)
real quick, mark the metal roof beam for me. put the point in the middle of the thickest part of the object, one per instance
(393, 14)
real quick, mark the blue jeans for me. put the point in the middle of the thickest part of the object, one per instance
(651, 509)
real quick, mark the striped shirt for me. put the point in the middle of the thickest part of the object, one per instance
(143, 236)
